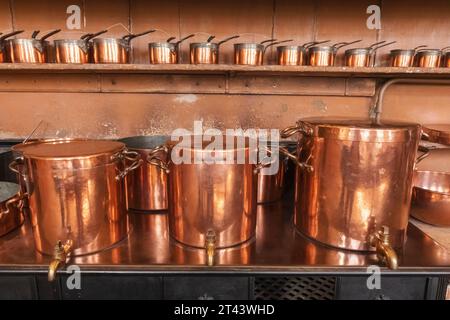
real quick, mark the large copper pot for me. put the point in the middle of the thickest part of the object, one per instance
(3, 49)
(115, 50)
(31, 50)
(76, 195)
(11, 200)
(354, 182)
(147, 185)
(211, 205)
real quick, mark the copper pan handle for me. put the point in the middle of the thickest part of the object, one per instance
(300, 127)
(294, 158)
(426, 153)
(154, 160)
(136, 162)
(227, 39)
(275, 43)
(344, 44)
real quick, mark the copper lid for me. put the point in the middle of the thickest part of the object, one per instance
(66, 149)
(439, 133)
(360, 129)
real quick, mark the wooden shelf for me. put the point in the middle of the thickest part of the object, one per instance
(308, 71)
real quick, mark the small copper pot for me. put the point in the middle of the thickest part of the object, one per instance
(295, 55)
(165, 52)
(147, 185)
(404, 58)
(76, 50)
(206, 52)
(115, 50)
(3, 49)
(363, 57)
(11, 201)
(31, 50)
(325, 56)
(252, 54)
(429, 58)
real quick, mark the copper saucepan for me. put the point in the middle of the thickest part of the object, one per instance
(295, 55)
(252, 54)
(3, 49)
(207, 52)
(431, 197)
(11, 201)
(429, 58)
(166, 52)
(447, 59)
(325, 56)
(76, 50)
(364, 57)
(31, 50)
(115, 50)
(147, 185)
(404, 57)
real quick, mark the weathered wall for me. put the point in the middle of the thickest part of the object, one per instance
(120, 105)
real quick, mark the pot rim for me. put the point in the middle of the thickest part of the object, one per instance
(404, 51)
(203, 44)
(446, 178)
(26, 40)
(249, 46)
(162, 44)
(291, 47)
(358, 51)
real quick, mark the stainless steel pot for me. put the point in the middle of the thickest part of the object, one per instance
(76, 50)
(207, 52)
(165, 52)
(76, 194)
(31, 50)
(253, 53)
(325, 56)
(147, 185)
(3, 48)
(115, 50)
(354, 182)
(11, 200)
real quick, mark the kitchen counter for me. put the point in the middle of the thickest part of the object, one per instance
(276, 248)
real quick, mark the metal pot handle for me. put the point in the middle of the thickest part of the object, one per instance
(303, 165)
(13, 166)
(16, 200)
(426, 153)
(300, 127)
(135, 159)
(154, 160)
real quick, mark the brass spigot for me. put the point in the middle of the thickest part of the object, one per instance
(59, 258)
(385, 252)
(210, 246)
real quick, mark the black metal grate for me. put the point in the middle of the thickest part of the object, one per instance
(295, 288)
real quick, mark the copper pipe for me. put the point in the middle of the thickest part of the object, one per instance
(376, 110)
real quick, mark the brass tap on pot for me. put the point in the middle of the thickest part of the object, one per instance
(385, 252)
(59, 258)
(210, 246)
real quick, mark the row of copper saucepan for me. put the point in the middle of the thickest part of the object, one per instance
(91, 49)
(342, 165)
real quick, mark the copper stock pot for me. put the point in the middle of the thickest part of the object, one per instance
(404, 57)
(253, 53)
(76, 50)
(364, 57)
(3, 49)
(325, 56)
(295, 55)
(76, 195)
(354, 182)
(211, 205)
(11, 201)
(31, 50)
(147, 185)
(115, 50)
(207, 52)
(166, 52)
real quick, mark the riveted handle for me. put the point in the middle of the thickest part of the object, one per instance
(135, 159)
(303, 165)
(154, 159)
